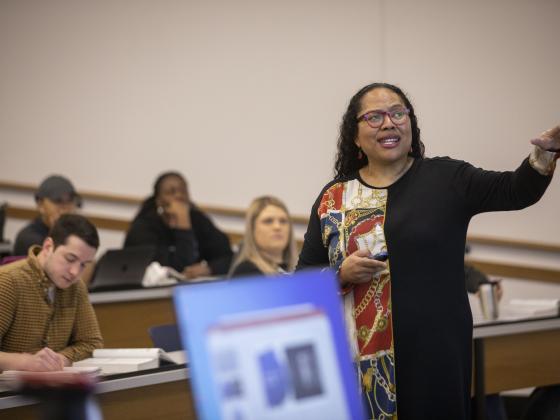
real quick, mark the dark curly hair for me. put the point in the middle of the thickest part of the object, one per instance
(347, 160)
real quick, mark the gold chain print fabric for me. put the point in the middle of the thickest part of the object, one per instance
(352, 218)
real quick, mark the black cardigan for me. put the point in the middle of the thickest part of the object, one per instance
(426, 221)
(179, 248)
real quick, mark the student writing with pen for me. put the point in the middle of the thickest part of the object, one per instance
(46, 319)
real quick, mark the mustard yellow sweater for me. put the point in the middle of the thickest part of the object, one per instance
(29, 321)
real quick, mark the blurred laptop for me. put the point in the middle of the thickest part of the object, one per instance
(5, 246)
(120, 269)
(3, 208)
(268, 348)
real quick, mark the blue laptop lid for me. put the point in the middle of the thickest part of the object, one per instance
(268, 348)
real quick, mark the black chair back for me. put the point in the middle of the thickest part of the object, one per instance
(166, 337)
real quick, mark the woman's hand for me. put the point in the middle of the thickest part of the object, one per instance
(359, 267)
(549, 140)
(176, 214)
(194, 271)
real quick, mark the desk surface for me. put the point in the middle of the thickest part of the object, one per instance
(126, 315)
(518, 353)
(157, 393)
(167, 391)
(512, 327)
(131, 295)
(512, 361)
(113, 383)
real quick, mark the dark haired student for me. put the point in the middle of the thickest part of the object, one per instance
(184, 237)
(46, 319)
(409, 318)
(55, 196)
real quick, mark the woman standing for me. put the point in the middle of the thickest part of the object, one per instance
(268, 244)
(409, 317)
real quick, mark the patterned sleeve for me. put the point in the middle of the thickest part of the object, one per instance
(86, 335)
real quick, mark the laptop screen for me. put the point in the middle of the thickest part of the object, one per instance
(268, 348)
(121, 269)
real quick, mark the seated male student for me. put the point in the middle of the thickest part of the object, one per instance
(55, 196)
(46, 319)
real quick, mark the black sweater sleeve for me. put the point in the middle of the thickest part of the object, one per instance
(32, 234)
(313, 253)
(213, 244)
(176, 248)
(497, 191)
(245, 268)
(474, 278)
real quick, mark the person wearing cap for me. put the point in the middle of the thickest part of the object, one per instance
(46, 319)
(54, 197)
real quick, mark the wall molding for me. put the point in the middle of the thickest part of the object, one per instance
(134, 200)
(491, 268)
(117, 224)
(499, 269)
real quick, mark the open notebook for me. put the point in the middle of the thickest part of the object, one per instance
(268, 348)
(112, 361)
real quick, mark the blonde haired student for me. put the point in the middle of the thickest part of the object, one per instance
(268, 245)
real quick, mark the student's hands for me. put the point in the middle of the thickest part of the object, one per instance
(549, 140)
(200, 269)
(359, 268)
(44, 360)
(65, 361)
(176, 214)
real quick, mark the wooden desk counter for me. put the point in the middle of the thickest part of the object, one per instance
(514, 355)
(517, 354)
(143, 396)
(520, 354)
(522, 361)
(125, 316)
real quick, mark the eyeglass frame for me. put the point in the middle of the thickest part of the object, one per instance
(384, 113)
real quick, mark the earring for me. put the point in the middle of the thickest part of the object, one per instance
(360, 156)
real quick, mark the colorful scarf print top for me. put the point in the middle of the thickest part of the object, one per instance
(352, 218)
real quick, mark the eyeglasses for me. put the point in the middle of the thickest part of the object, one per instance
(375, 118)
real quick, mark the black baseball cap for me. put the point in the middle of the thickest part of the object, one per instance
(58, 189)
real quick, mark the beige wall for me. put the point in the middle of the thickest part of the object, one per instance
(245, 97)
